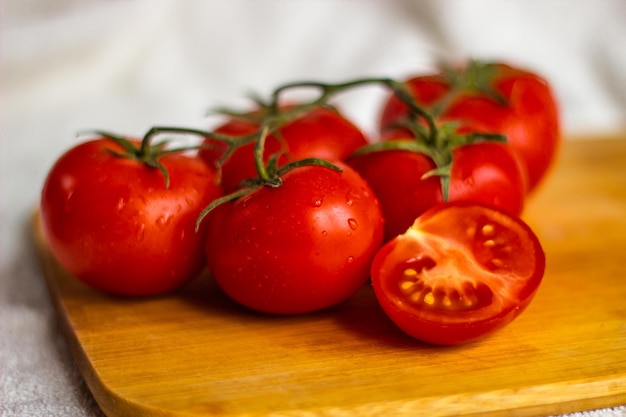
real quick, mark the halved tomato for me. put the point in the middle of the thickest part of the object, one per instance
(460, 272)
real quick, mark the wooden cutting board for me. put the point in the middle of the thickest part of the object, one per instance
(195, 353)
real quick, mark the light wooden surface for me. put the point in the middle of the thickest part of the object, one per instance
(195, 353)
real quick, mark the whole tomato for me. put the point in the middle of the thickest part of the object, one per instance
(299, 247)
(492, 97)
(114, 222)
(321, 132)
(406, 184)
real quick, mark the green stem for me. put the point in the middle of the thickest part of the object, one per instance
(397, 145)
(259, 162)
(222, 200)
(149, 153)
(403, 93)
(476, 78)
(305, 162)
(327, 90)
(273, 117)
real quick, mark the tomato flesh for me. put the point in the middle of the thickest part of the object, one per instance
(461, 271)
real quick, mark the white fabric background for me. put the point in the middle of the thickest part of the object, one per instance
(124, 66)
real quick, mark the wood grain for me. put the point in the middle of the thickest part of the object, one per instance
(195, 353)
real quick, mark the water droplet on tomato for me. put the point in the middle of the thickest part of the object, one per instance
(318, 202)
(141, 232)
(350, 259)
(352, 223)
(163, 220)
(351, 196)
(68, 202)
(120, 204)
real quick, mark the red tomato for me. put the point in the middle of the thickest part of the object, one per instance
(112, 223)
(484, 172)
(300, 247)
(461, 272)
(321, 133)
(529, 115)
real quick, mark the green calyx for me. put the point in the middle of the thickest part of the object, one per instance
(270, 116)
(437, 146)
(477, 77)
(269, 174)
(273, 180)
(438, 141)
(148, 152)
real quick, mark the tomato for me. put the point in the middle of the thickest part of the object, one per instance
(494, 97)
(299, 247)
(113, 224)
(396, 179)
(482, 172)
(320, 133)
(461, 272)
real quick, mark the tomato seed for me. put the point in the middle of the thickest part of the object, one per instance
(497, 262)
(488, 229)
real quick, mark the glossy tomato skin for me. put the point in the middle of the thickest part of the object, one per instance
(529, 117)
(396, 178)
(112, 223)
(322, 132)
(460, 273)
(488, 173)
(297, 248)
(485, 172)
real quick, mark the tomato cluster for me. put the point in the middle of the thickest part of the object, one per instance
(293, 210)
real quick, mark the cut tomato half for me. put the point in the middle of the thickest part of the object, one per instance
(460, 272)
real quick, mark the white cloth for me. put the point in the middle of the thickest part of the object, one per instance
(127, 65)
